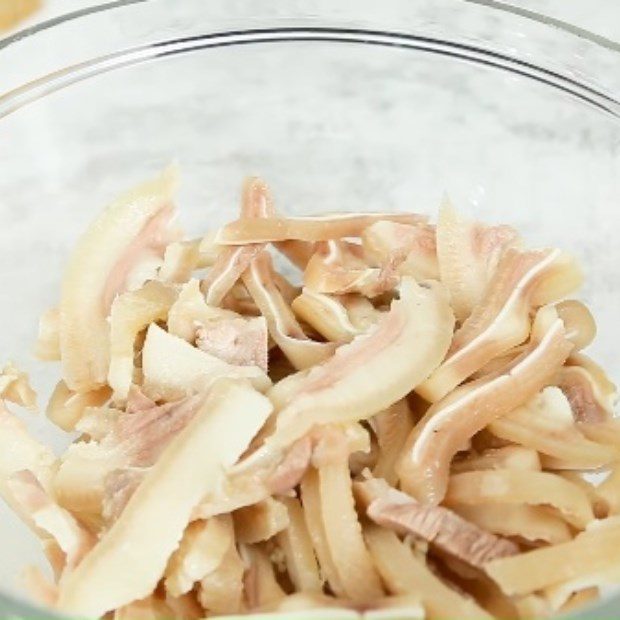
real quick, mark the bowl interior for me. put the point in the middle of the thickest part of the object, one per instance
(331, 126)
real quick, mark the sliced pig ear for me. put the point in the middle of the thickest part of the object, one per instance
(15, 387)
(173, 368)
(468, 254)
(133, 229)
(468, 409)
(377, 369)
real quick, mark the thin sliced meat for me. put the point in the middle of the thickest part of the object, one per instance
(443, 528)
(338, 268)
(297, 252)
(546, 424)
(376, 369)
(310, 228)
(578, 321)
(256, 202)
(133, 231)
(467, 410)
(501, 321)
(590, 393)
(201, 551)
(48, 518)
(190, 310)
(130, 559)
(260, 522)
(534, 488)
(172, 368)
(468, 254)
(66, 407)
(131, 313)
(326, 314)
(240, 342)
(15, 387)
(509, 457)
(283, 326)
(261, 588)
(413, 249)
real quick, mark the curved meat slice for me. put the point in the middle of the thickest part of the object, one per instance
(578, 322)
(131, 313)
(283, 326)
(256, 202)
(502, 320)
(173, 368)
(510, 457)
(443, 528)
(261, 588)
(338, 268)
(66, 407)
(190, 309)
(590, 393)
(130, 558)
(297, 252)
(200, 552)
(240, 342)
(181, 258)
(260, 521)
(375, 370)
(413, 249)
(470, 408)
(309, 228)
(133, 230)
(15, 387)
(326, 314)
(468, 254)
(48, 518)
(536, 488)
(546, 424)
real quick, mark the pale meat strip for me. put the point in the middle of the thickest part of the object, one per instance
(531, 523)
(260, 521)
(375, 370)
(510, 457)
(131, 557)
(296, 544)
(521, 487)
(283, 326)
(411, 249)
(442, 527)
(65, 407)
(403, 573)
(467, 410)
(343, 532)
(310, 228)
(15, 387)
(261, 588)
(468, 254)
(546, 424)
(256, 202)
(589, 553)
(200, 552)
(501, 320)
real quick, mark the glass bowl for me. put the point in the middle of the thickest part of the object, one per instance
(339, 106)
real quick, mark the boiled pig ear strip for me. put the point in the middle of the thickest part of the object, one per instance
(510, 457)
(591, 394)
(374, 370)
(131, 313)
(133, 229)
(522, 487)
(283, 326)
(546, 424)
(310, 228)
(440, 434)
(403, 573)
(326, 314)
(411, 249)
(549, 566)
(256, 202)
(468, 255)
(501, 320)
(534, 524)
(398, 469)
(337, 268)
(190, 467)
